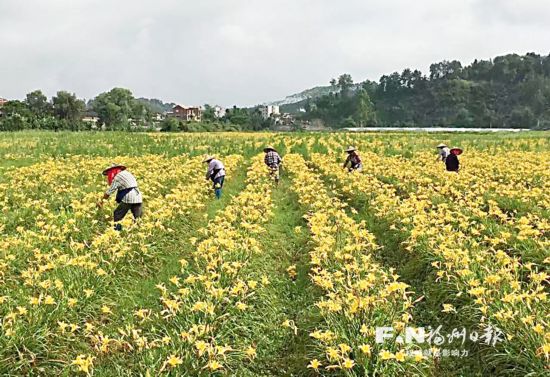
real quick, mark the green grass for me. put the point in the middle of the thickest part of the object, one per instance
(296, 297)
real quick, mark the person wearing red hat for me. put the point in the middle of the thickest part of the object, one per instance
(128, 195)
(451, 162)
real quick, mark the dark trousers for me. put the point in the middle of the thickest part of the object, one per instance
(123, 208)
(219, 181)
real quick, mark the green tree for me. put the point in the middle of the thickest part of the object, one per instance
(345, 82)
(17, 108)
(522, 117)
(170, 125)
(209, 113)
(116, 107)
(14, 122)
(67, 107)
(38, 103)
(365, 114)
(256, 122)
(237, 116)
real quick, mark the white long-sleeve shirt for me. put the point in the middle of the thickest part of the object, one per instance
(215, 165)
(443, 153)
(125, 180)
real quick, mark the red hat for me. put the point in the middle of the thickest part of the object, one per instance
(456, 151)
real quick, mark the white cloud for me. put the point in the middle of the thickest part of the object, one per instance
(243, 52)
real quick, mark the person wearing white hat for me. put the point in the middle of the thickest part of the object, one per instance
(273, 161)
(216, 173)
(443, 152)
(128, 195)
(353, 160)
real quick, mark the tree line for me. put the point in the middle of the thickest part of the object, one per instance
(117, 109)
(510, 91)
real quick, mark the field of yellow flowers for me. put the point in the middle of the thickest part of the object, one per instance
(402, 269)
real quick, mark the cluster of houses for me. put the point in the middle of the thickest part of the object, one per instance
(195, 113)
(273, 111)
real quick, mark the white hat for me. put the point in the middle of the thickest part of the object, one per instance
(350, 149)
(207, 158)
(442, 145)
(114, 166)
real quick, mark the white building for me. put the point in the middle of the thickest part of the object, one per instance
(269, 110)
(219, 111)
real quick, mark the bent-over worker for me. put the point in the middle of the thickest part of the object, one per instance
(128, 195)
(216, 173)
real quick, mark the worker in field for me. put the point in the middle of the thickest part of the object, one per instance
(451, 162)
(216, 173)
(128, 196)
(273, 161)
(442, 152)
(353, 161)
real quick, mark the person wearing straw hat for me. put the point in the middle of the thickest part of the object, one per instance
(443, 152)
(451, 162)
(353, 160)
(273, 161)
(128, 195)
(216, 173)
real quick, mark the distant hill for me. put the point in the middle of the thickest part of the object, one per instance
(316, 92)
(294, 108)
(295, 102)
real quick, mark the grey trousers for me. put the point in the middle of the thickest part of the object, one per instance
(123, 208)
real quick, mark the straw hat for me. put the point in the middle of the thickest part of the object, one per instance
(208, 158)
(113, 166)
(442, 145)
(269, 148)
(456, 151)
(350, 149)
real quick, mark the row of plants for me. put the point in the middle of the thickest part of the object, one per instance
(474, 248)
(359, 295)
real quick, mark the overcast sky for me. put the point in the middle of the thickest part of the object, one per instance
(247, 52)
